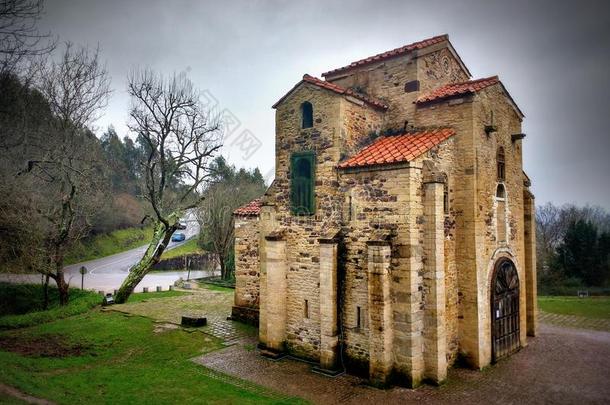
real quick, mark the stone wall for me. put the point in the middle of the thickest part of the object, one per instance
(472, 227)
(432, 67)
(388, 203)
(302, 233)
(247, 261)
(458, 165)
(492, 246)
(193, 261)
(376, 205)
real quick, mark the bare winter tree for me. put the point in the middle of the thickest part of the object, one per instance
(63, 165)
(180, 137)
(552, 222)
(20, 38)
(229, 189)
(550, 227)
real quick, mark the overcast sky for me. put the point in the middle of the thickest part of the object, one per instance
(552, 56)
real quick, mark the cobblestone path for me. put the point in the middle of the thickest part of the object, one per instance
(560, 366)
(215, 305)
(563, 365)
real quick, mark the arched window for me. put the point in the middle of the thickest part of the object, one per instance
(501, 161)
(306, 115)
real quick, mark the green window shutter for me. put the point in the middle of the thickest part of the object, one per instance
(302, 185)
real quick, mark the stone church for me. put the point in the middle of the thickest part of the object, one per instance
(398, 235)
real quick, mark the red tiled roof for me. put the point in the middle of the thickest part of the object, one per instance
(337, 89)
(390, 54)
(398, 148)
(457, 89)
(253, 208)
(340, 90)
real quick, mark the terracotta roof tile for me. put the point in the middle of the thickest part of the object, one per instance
(340, 90)
(337, 89)
(398, 148)
(457, 89)
(390, 54)
(253, 208)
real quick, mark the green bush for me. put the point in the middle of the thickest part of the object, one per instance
(21, 305)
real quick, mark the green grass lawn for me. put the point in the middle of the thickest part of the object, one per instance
(138, 297)
(21, 304)
(119, 359)
(589, 307)
(108, 244)
(189, 247)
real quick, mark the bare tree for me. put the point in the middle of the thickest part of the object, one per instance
(215, 215)
(20, 38)
(180, 137)
(65, 166)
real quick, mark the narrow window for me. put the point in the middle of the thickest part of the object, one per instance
(358, 317)
(501, 213)
(446, 199)
(306, 115)
(501, 161)
(350, 208)
(306, 310)
(500, 192)
(445, 194)
(302, 167)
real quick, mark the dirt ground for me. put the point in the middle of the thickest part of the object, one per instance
(41, 346)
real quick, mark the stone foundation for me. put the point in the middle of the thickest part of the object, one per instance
(245, 314)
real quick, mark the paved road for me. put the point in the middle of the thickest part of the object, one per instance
(107, 273)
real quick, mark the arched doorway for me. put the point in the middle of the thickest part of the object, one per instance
(504, 310)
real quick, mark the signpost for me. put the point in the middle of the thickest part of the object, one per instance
(82, 271)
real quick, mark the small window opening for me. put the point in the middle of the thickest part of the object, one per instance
(306, 115)
(306, 310)
(349, 214)
(445, 194)
(501, 213)
(500, 192)
(501, 161)
(358, 317)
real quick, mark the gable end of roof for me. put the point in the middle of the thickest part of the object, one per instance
(373, 102)
(415, 46)
(464, 88)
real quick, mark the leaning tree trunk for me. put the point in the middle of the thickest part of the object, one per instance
(153, 253)
(63, 287)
